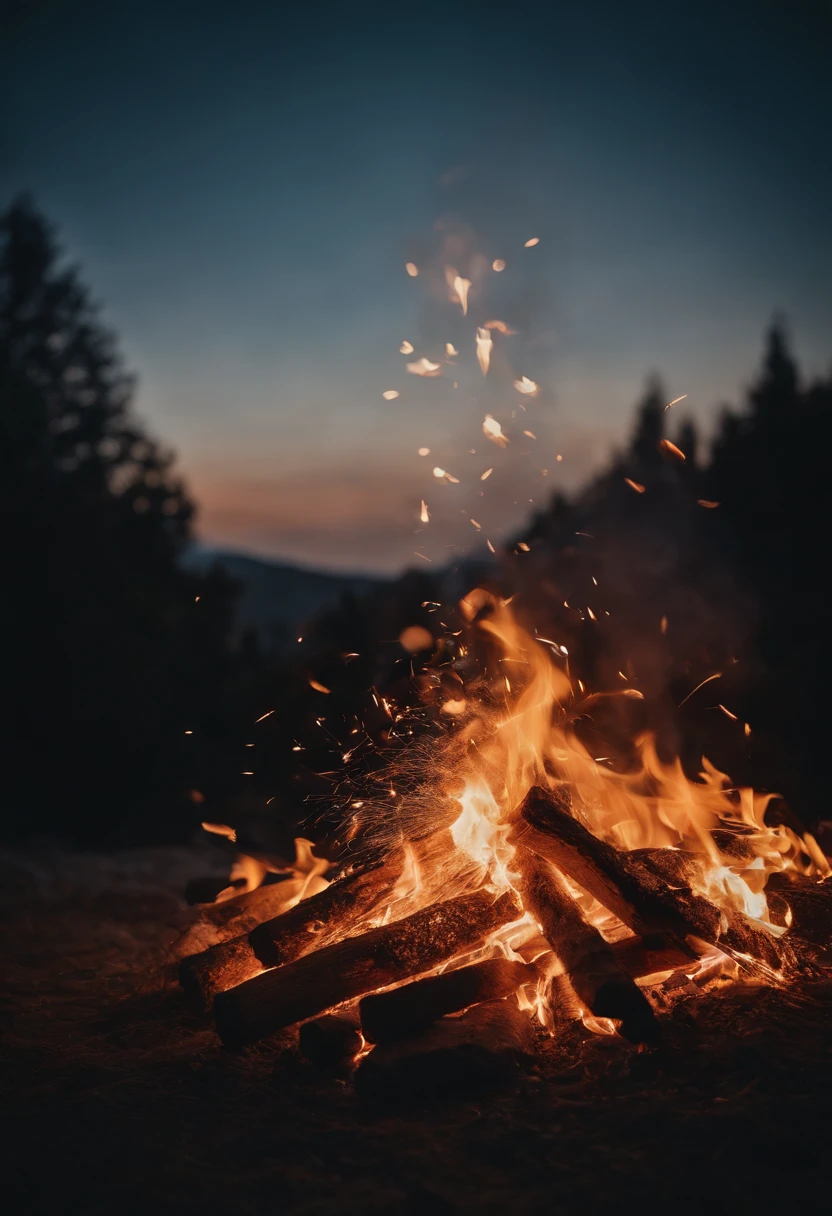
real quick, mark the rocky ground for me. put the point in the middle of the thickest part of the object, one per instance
(121, 1100)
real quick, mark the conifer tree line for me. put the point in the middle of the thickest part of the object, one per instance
(114, 648)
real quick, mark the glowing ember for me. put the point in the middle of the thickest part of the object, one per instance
(424, 367)
(390, 394)
(459, 288)
(671, 451)
(634, 485)
(535, 240)
(484, 344)
(525, 386)
(406, 348)
(415, 638)
(412, 269)
(493, 431)
(498, 265)
(424, 514)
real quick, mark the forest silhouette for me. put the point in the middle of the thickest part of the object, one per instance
(133, 695)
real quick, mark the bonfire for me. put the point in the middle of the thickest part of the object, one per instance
(520, 880)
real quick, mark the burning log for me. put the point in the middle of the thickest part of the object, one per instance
(323, 918)
(331, 1040)
(593, 969)
(641, 956)
(809, 903)
(386, 1016)
(358, 965)
(317, 921)
(641, 897)
(477, 1052)
(237, 915)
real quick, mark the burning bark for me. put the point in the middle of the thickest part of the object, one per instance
(355, 966)
(641, 956)
(635, 891)
(386, 1016)
(806, 907)
(596, 974)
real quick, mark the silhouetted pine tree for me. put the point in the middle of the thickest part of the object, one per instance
(108, 654)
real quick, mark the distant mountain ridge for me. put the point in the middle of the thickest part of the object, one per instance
(277, 598)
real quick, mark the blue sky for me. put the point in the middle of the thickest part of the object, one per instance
(243, 184)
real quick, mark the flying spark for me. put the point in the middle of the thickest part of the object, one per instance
(424, 367)
(493, 431)
(669, 449)
(484, 344)
(526, 386)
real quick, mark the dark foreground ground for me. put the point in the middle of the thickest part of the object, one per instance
(118, 1100)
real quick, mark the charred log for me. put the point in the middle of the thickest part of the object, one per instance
(594, 971)
(386, 1016)
(476, 1053)
(331, 1040)
(640, 896)
(355, 966)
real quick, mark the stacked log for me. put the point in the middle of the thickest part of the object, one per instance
(310, 964)
(318, 921)
(356, 966)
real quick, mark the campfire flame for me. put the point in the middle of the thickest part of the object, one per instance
(304, 876)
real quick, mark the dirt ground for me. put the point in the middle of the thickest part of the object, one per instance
(120, 1100)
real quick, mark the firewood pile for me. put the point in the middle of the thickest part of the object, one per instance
(443, 986)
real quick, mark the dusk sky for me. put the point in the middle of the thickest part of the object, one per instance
(242, 185)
